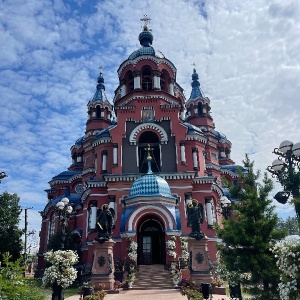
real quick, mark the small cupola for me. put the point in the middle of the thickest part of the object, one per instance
(100, 92)
(196, 90)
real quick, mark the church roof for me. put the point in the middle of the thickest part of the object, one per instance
(66, 175)
(192, 129)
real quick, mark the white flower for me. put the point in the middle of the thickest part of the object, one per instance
(62, 270)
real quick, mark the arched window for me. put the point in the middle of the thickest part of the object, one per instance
(98, 111)
(200, 109)
(147, 79)
(149, 138)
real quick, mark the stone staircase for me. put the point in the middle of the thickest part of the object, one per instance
(153, 277)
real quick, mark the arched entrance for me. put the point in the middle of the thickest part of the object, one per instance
(151, 242)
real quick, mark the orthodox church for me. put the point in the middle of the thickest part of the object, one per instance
(147, 153)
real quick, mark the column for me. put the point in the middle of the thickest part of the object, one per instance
(182, 152)
(137, 80)
(209, 212)
(92, 216)
(156, 79)
(195, 158)
(115, 155)
(104, 161)
(171, 86)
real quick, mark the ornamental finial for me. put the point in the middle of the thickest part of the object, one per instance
(194, 66)
(149, 158)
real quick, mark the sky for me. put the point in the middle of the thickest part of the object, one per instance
(246, 54)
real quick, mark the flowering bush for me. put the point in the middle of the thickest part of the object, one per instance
(132, 249)
(221, 272)
(62, 270)
(176, 274)
(216, 282)
(288, 254)
(184, 249)
(171, 245)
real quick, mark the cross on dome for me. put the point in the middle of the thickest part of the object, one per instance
(146, 20)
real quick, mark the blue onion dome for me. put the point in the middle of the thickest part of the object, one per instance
(150, 185)
(146, 37)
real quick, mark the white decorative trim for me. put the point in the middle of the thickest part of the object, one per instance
(123, 104)
(230, 173)
(89, 170)
(204, 180)
(139, 58)
(212, 166)
(196, 137)
(85, 195)
(101, 141)
(141, 127)
(136, 212)
(216, 188)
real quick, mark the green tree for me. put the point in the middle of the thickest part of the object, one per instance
(72, 241)
(248, 235)
(290, 225)
(10, 234)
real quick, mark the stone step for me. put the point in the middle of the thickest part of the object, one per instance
(153, 277)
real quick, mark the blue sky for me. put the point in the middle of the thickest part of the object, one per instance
(246, 54)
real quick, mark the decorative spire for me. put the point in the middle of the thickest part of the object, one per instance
(196, 91)
(146, 37)
(149, 158)
(100, 92)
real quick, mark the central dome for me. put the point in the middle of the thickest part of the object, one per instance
(150, 185)
(146, 39)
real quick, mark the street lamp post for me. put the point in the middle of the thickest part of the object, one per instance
(286, 169)
(64, 212)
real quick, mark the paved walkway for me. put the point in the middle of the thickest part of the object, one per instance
(148, 295)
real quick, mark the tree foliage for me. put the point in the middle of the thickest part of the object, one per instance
(15, 286)
(247, 236)
(290, 225)
(72, 241)
(10, 234)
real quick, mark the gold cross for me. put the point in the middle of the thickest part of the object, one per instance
(146, 19)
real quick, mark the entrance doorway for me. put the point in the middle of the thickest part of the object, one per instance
(151, 243)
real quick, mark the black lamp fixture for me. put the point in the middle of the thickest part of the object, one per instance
(2, 175)
(64, 212)
(286, 169)
(225, 204)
